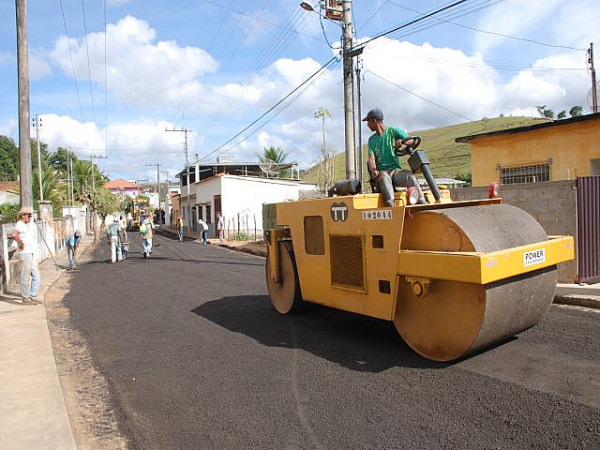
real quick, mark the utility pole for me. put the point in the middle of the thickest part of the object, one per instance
(38, 123)
(72, 180)
(348, 62)
(593, 71)
(157, 181)
(188, 215)
(322, 113)
(359, 102)
(166, 199)
(23, 87)
(93, 174)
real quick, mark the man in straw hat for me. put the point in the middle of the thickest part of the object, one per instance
(25, 235)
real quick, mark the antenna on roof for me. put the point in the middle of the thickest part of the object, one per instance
(266, 165)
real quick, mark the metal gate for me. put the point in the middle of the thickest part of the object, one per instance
(588, 229)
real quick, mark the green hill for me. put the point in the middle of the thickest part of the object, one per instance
(448, 158)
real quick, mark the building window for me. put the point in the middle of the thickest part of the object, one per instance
(208, 214)
(525, 173)
(594, 167)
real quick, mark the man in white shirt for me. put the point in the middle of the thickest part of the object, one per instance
(220, 226)
(25, 235)
(204, 229)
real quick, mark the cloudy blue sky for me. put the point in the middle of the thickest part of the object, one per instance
(109, 76)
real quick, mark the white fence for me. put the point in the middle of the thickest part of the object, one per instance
(51, 241)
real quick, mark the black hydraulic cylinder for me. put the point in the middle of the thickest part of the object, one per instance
(419, 161)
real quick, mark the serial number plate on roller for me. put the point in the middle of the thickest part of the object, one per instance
(534, 257)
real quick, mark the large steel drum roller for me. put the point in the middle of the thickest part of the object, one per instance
(456, 318)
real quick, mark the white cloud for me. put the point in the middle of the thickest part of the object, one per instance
(131, 145)
(9, 128)
(407, 81)
(517, 18)
(139, 72)
(38, 67)
(7, 58)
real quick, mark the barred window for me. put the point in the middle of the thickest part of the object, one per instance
(525, 173)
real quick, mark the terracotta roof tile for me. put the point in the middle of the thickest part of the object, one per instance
(120, 184)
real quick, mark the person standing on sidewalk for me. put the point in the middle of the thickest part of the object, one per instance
(220, 227)
(115, 244)
(180, 228)
(146, 232)
(25, 235)
(204, 230)
(72, 244)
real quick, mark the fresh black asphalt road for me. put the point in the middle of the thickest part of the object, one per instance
(197, 359)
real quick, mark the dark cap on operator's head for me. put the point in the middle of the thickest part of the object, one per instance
(375, 114)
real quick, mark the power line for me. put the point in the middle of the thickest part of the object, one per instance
(305, 82)
(87, 53)
(532, 41)
(421, 97)
(105, 85)
(412, 22)
(71, 56)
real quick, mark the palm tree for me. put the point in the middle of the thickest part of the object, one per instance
(52, 189)
(59, 160)
(275, 155)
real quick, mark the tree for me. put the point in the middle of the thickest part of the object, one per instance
(43, 154)
(103, 203)
(274, 154)
(9, 159)
(52, 189)
(59, 160)
(576, 111)
(466, 177)
(545, 112)
(562, 114)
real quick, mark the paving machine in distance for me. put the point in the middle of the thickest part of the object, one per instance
(453, 277)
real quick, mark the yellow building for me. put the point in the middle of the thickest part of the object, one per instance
(550, 151)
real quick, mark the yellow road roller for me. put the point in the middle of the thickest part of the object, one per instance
(454, 277)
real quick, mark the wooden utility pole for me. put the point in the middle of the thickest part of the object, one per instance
(23, 86)
(157, 181)
(324, 174)
(593, 71)
(348, 62)
(92, 156)
(188, 215)
(37, 122)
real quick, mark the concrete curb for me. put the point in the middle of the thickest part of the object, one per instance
(585, 301)
(251, 251)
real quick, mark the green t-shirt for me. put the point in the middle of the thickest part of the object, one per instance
(383, 148)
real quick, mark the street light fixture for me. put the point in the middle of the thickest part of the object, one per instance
(307, 6)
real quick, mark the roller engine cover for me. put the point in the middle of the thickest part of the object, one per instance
(345, 187)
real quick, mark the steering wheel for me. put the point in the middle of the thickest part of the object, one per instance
(409, 149)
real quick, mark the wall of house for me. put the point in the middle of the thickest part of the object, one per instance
(572, 148)
(553, 204)
(242, 199)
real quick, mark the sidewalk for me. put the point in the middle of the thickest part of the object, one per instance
(32, 412)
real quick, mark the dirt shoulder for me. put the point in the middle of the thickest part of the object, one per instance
(94, 420)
